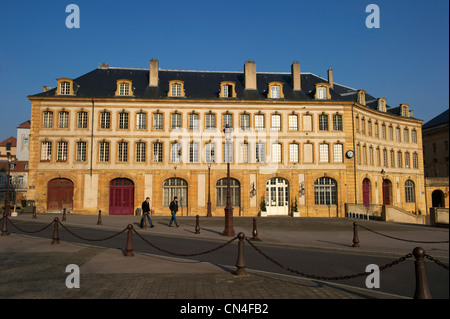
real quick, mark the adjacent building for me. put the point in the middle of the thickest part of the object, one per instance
(109, 138)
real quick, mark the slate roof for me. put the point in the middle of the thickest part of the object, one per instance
(101, 83)
(442, 118)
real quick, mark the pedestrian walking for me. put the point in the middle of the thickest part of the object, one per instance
(146, 211)
(173, 210)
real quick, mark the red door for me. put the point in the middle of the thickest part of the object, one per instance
(60, 194)
(366, 192)
(386, 192)
(121, 197)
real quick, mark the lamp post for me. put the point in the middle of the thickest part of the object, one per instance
(229, 230)
(208, 207)
(7, 207)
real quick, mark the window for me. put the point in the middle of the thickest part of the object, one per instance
(378, 157)
(397, 135)
(293, 153)
(376, 130)
(140, 152)
(228, 152)
(293, 122)
(227, 89)
(227, 120)
(321, 93)
(383, 131)
(275, 91)
(193, 152)
(175, 152)
(104, 152)
(81, 151)
(62, 152)
(338, 153)
(392, 159)
(259, 122)
(221, 192)
(385, 163)
(371, 155)
(210, 153)
(176, 121)
(325, 191)
(276, 153)
(175, 187)
(260, 152)
(399, 159)
(369, 128)
(82, 119)
(404, 111)
(175, 89)
(158, 152)
(391, 131)
(123, 120)
(337, 122)
(406, 160)
(415, 160)
(46, 151)
(323, 122)
(382, 105)
(141, 121)
(406, 135)
(158, 121)
(63, 119)
(276, 122)
(210, 121)
(47, 119)
(124, 88)
(105, 120)
(193, 122)
(409, 191)
(64, 88)
(363, 126)
(323, 153)
(414, 136)
(245, 122)
(123, 152)
(245, 154)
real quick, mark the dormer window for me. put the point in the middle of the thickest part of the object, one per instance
(124, 88)
(322, 91)
(382, 105)
(362, 97)
(404, 110)
(65, 87)
(176, 89)
(275, 90)
(227, 89)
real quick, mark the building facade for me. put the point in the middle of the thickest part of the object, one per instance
(110, 138)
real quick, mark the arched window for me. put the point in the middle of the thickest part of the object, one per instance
(409, 191)
(325, 191)
(175, 187)
(221, 192)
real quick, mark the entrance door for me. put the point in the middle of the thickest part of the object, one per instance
(437, 198)
(121, 197)
(387, 192)
(60, 194)
(277, 196)
(366, 192)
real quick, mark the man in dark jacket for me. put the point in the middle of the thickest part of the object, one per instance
(146, 211)
(173, 210)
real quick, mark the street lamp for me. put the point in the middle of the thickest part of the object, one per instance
(7, 207)
(211, 156)
(229, 230)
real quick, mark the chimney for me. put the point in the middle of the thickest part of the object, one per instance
(330, 77)
(153, 78)
(250, 75)
(296, 80)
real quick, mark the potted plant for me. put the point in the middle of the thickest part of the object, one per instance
(294, 208)
(262, 206)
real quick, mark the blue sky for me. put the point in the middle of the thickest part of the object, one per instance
(406, 60)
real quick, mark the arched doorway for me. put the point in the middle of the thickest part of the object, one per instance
(387, 192)
(277, 196)
(176, 187)
(366, 192)
(121, 197)
(60, 194)
(221, 192)
(437, 198)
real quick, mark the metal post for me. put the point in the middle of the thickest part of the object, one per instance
(55, 240)
(64, 215)
(197, 224)
(144, 220)
(422, 290)
(34, 212)
(229, 229)
(99, 220)
(5, 224)
(355, 235)
(240, 263)
(208, 206)
(255, 231)
(129, 246)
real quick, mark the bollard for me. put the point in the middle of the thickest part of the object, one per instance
(422, 291)
(34, 212)
(255, 231)
(64, 215)
(55, 240)
(355, 235)
(99, 220)
(144, 221)
(129, 247)
(240, 263)
(197, 225)
(5, 224)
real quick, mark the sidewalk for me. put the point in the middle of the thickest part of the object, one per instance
(32, 268)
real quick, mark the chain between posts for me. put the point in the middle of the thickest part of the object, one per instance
(90, 239)
(30, 232)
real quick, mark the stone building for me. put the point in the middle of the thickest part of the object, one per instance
(111, 137)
